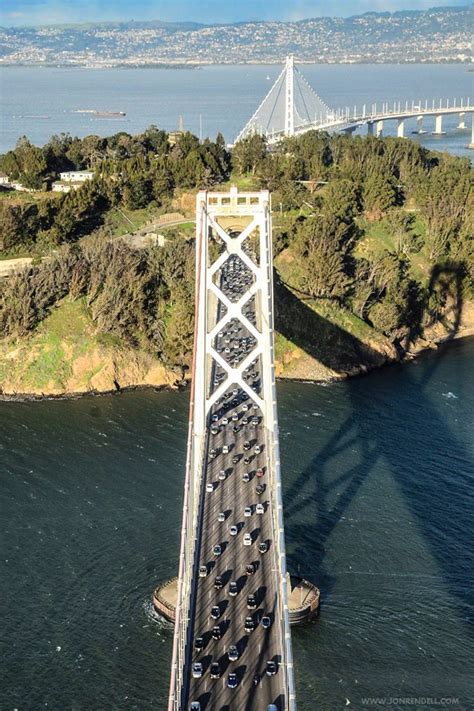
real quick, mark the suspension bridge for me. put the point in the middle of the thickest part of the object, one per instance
(292, 108)
(232, 644)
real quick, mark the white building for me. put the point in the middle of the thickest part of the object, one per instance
(4, 179)
(76, 176)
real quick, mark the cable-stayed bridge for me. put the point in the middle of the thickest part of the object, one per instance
(292, 107)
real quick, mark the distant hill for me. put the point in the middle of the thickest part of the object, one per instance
(435, 35)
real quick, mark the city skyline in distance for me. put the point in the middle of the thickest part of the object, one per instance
(18, 13)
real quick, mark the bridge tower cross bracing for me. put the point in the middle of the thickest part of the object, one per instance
(214, 311)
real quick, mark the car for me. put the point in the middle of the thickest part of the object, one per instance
(251, 602)
(271, 668)
(209, 487)
(249, 625)
(250, 569)
(212, 454)
(225, 449)
(235, 392)
(197, 670)
(214, 429)
(246, 460)
(199, 644)
(235, 417)
(257, 449)
(235, 429)
(247, 511)
(225, 420)
(216, 632)
(235, 459)
(260, 508)
(263, 547)
(221, 516)
(218, 583)
(260, 489)
(217, 550)
(233, 653)
(202, 571)
(259, 473)
(266, 622)
(245, 407)
(215, 417)
(233, 530)
(247, 539)
(215, 612)
(232, 681)
(245, 420)
(215, 670)
(195, 706)
(233, 589)
(222, 475)
(246, 477)
(246, 445)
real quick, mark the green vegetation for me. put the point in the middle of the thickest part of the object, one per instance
(372, 241)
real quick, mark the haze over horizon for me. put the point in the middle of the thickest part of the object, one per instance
(18, 13)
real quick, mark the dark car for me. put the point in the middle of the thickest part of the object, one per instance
(263, 547)
(251, 602)
(199, 644)
(218, 583)
(271, 668)
(215, 670)
(250, 569)
(266, 622)
(249, 625)
(232, 681)
(215, 612)
(233, 589)
(216, 632)
(260, 489)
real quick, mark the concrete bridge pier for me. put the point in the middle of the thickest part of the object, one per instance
(379, 129)
(419, 125)
(462, 119)
(370, 128)
(401, 128)
(471, 145)
(349, 131)
(438, 125)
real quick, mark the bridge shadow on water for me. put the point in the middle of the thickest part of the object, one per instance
(316, 500)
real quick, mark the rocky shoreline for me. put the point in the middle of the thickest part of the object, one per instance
(423, 347)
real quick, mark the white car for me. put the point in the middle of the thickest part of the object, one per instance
(222, 475)
(247, 539)
(197, 670)
(203, 571)
(225, 449)
(233, 530)
(260, 508)
(209, 487)
(248, 511)
(221, 516)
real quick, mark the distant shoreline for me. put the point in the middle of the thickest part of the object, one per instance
(203, 65)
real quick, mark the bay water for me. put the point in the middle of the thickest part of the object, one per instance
(378, 477)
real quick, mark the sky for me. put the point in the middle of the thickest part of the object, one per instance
(41, 12)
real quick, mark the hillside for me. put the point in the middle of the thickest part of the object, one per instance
(373, 254)
(435, 35)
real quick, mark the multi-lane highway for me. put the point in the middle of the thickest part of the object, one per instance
(236, 636)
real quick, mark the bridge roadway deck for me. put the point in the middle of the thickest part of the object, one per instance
(255, 648)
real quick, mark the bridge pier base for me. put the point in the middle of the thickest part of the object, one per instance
(401, 128)
(303, 599)
(379, 129)
(370, 128)
(438, 126)
(471, 145)
(462, 120)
